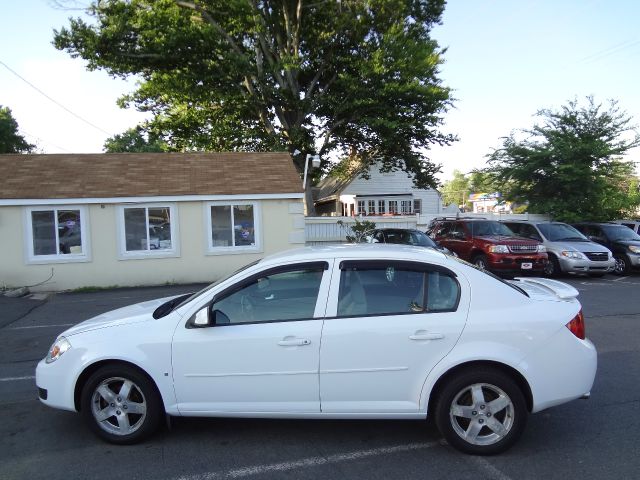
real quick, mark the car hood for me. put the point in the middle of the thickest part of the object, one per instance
(507, 240)
(139, 312)
(578, 246)
(635, 243)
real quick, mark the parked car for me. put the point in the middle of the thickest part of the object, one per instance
(632, 224)
(489, 244)
(623, 242)
(405, 236)
(569, 251)
(300, 334)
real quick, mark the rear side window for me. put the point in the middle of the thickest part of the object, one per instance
(392, 288)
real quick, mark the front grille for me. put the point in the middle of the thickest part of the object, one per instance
(597, 256)
(523, 248)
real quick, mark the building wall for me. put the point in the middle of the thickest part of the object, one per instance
(394, 183)
(282, 225)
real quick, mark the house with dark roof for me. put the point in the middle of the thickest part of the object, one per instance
(354, 191)
(75, 220)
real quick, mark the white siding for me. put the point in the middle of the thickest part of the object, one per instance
(393, 183)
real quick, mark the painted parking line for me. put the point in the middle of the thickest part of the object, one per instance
(491, 471)
(17, 379)
(308, 462)
(43, 326)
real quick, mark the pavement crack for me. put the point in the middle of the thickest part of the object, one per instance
(38, 305)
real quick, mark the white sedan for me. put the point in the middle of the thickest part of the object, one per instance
(355, 332)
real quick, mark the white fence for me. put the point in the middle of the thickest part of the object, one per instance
(326, 230)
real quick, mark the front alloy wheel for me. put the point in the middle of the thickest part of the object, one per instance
(622, 265)
(121, 404)
(481, 412)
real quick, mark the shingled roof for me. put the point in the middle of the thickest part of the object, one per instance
(107, 175)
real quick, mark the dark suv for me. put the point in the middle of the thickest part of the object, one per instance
(489, 244)
(623, 242)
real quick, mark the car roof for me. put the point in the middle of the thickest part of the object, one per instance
(398, 229)
(355, 251)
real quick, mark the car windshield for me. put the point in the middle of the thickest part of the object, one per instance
(556, 232)
(490, 227)
(492, 275)
(619, 232)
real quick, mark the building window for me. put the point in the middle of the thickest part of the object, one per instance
(361, 209)
(148, 231)
(393, 206)
(372, 207)
(381, 209)
(57, 234)
(406, 207)
(417, 206)
(233, 226)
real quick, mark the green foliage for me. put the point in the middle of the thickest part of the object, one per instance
(358, 231)
(346, 78)
(10, 140)
(457, 190)
(569, 165)
(134, 140)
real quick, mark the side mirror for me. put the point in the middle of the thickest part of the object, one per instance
(201, 319)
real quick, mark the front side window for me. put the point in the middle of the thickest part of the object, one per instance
(279, 296)
(233, 226)
(148, 231)
(57, 234)
(387, 288)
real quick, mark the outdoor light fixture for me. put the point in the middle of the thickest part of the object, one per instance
(315, 163)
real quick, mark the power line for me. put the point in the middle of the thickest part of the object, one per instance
(52, 100)
(36, 138)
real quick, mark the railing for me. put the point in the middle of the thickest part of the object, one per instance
(326, 230)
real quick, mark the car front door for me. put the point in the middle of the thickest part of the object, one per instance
(262, 352)
(388, 324)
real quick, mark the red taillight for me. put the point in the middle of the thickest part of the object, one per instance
(577, 325)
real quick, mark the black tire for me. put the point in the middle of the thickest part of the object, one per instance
(492, 429)
(480, 261)
(129, 416)
(623, 267)
(552, 268)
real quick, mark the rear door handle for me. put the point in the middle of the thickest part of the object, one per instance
(422, 335)
(294, 342)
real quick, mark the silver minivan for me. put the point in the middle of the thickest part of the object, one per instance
(569, 250)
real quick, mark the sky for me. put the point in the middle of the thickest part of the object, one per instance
(505, 60)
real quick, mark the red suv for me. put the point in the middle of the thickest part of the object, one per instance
(489, 244)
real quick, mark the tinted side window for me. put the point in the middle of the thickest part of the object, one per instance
(395, 289)
(290, 295)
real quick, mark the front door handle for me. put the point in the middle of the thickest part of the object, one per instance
(294, 342)
(424, 335)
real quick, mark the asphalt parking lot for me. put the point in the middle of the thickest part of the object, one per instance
(585, 439)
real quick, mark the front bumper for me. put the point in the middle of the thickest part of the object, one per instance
(634, 259)
(505, 262)
(56, 383)
(570, 265)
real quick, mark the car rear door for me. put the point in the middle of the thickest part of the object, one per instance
(388, 324)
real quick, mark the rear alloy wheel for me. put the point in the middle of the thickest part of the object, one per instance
(481, 412)
(552, 267)
(121, 405)
(622, 265)
(480, 261)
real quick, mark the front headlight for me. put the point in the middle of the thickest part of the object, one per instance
(58, 348)
(499, 249)
(634, 249)
(542, 249)
(574, 255)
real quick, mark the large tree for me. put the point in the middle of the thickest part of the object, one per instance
(569, 165)
(350, 77)
(134, 140)
(10, 140)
